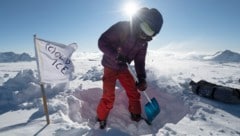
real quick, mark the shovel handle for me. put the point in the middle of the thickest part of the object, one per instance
(132, 72)
(147, 97)
(136, 80)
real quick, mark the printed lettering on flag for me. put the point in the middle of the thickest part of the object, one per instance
(54, 61)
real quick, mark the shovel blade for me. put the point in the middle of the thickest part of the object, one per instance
(152, 109)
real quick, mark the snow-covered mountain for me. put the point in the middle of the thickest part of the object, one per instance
(13, 57)
(224, 56)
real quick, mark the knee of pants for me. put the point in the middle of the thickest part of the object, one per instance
(108, 102)
(133, 95)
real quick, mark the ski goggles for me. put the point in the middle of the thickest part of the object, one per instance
(145, 31)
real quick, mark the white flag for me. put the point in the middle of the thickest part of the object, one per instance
(54, 61)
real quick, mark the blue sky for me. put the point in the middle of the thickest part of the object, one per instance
(189, 25)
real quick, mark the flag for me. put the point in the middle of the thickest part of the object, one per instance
(54, 61)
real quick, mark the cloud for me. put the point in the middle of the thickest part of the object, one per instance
(184, 46)
(192, 46)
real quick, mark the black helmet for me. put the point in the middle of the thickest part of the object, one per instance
(149, 20)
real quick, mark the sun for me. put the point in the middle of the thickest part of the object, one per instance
(130, 8)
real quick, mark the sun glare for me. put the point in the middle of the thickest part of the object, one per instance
(130, 8)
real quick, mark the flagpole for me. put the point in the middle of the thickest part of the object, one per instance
(45, 103)
(41, 85)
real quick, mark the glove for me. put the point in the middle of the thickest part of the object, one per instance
(142, 85)
(122, 59)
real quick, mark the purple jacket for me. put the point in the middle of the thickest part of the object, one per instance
(120, 38)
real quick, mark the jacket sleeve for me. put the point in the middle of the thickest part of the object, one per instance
(139, 62)
(109, 41)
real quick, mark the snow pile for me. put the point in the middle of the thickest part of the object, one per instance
(17, 90)
(79, 105)
(23, 91)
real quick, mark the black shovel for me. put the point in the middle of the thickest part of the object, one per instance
(152, 108)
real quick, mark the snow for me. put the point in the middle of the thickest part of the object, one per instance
(72, 106)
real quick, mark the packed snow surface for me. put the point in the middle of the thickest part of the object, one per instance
(72, 106)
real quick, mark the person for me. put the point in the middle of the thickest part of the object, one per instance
(122, 43)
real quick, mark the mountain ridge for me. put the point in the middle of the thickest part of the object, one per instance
(14, 57)
(224, 56)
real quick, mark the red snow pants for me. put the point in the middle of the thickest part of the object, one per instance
(109, 82)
